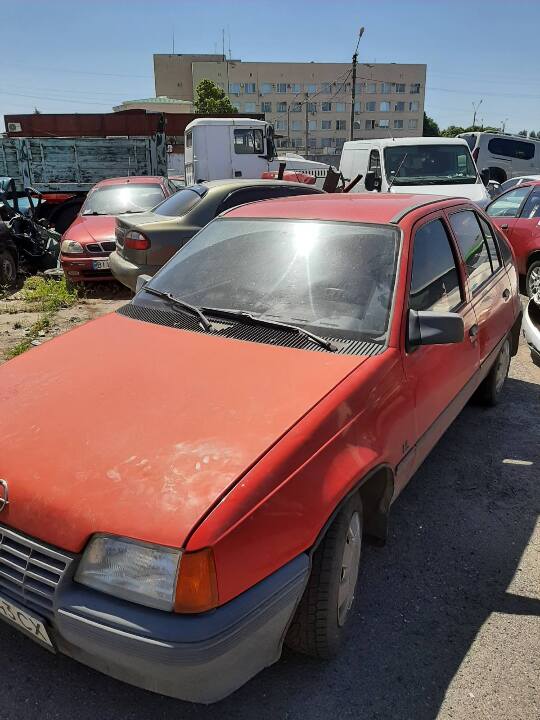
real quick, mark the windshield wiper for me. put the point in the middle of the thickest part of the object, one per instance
(256, 320)
(187, 307)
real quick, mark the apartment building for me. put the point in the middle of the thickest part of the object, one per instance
(389, 97)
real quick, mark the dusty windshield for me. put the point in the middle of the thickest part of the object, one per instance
(337, 278)
(119, 199)
(429, 165)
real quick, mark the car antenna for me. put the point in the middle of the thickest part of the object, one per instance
(397, 172)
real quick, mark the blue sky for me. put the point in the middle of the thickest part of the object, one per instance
(85, 57)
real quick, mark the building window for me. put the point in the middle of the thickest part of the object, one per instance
(249, 88)
(296, 125)
(236, 105)
(400, 87)
(281, 107)
(370, 106)
(234, 88)
(370, 124)
(342, 88)
(248, 142)
(326, 124)
(312, 107)
(281, 87)
(384, 123)
(326, 88)
(312, 88)
(413, 124)
(279, 124)
(399, 107)
(385, 106)
(312, 142)
(327, 142)
(371, 87)
(414, 106)
(398, 124)
(266, 88)
(296, 88)
(357, 106)
(415, 88)
(340, 107)
(249, 107)
(386, 88)
(266, 107)
(312, 124)
(326, 107)
(296, 107)
(340, 142)
(341, 124)
(360, 88)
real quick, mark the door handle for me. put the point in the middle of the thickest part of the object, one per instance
(506, 294)
(473, 331)
(504, 227)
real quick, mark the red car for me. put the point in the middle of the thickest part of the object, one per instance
(90, 239)
(517, 214)
(253, 412)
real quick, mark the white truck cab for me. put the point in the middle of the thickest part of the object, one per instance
(438, 166)
(219, 148)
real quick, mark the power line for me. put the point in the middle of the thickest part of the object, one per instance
(55, 99)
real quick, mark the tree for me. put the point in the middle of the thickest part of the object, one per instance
(430, 129)
(522, 133)
(36, 111)
(532, 134)
(452, 131)
(209, 98)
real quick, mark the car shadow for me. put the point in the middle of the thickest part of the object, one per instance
(104, 290)
(457, 535)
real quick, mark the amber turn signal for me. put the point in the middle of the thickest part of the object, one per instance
(196, 589)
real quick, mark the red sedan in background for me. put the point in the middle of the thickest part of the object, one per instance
(517, 214)
(89, 240)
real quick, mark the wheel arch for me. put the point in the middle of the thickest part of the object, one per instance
(534, 256)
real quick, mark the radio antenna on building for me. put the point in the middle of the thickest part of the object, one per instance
(223, 43)
(229, 34)
(173, 41)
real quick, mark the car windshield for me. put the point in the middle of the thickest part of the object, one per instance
(429, 165)
(335, 277)
(119, 199)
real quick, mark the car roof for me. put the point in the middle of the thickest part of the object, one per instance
(355, 207)
(132, 180)
(399, 141)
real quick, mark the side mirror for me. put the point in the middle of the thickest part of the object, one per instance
(434, 328)
(372, 182)
(141, 282)
(485, 176)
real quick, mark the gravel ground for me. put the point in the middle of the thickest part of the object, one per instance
(447, 623)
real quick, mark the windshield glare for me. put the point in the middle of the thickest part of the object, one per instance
(334, 277)
(119, 199)
(429, 165)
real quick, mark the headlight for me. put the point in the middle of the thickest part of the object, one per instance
(70, 247)
(131, 570)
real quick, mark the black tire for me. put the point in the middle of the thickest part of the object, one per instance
(535, 357)
(8, 269)
(532, 281)
(317, 628)
(490, 390)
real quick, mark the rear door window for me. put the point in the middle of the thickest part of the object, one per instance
(508, 205)
(507, 147)
(531, 209)
(182, 201)
(473, 246)
(435, 278)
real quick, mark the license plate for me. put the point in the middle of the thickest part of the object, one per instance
(30, 624)
(101, 264)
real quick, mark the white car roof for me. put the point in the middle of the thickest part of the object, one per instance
(237, 122)
(389, 142)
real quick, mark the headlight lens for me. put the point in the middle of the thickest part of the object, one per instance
(70, 247)
(134, 571)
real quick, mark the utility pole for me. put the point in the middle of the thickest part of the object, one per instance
(307, 122)
(475, 108)
(354, 64)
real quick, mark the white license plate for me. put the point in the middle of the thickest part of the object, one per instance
(25, 621)
(101, 264)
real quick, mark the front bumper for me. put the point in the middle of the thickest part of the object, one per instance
(200, 658)
(82, 269)
(531, 327)
(127, 272)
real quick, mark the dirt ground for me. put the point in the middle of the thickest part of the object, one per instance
(447, 622)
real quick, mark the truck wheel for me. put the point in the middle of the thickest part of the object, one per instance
(490, 390)
(532, 281)
(8, 269)
(319, 623)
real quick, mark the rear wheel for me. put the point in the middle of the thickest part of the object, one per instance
(8, 269)
(532, 281)
(490, 390)
(318, 626)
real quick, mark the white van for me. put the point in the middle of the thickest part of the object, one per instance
(438, 166)
(506, 156)
(220, 148)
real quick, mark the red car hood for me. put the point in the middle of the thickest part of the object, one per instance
(91, 228)
(135, 429)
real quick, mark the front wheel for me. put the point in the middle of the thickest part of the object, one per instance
(318, 626)
(8, 269)
(490, 390)
(532, 281)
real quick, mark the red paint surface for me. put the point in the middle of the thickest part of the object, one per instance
(523, 234)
